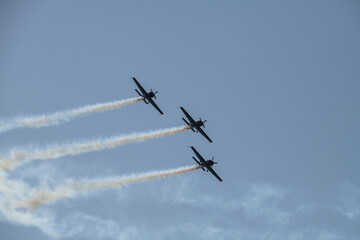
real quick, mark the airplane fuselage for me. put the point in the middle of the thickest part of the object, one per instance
(149, 95)
(197, 124)
(209, 163)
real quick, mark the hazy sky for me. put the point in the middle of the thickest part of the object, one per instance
(278, 82)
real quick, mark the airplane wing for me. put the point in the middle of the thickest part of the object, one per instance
(214, 173)
(187, 115)
(204, 134)
(155, 106)
(139, 86)
(202, 160)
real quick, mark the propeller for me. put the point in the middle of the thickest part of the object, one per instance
(203, 121)
(213, 160)
(153, 93)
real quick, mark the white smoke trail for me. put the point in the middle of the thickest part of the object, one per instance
(71, 188)
(17, 157)
(18, 200)
(58, 117)
(13, 191)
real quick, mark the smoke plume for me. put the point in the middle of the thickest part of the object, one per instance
(71, 188)
(17, 157)
(64, 116)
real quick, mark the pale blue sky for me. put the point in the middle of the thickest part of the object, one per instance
(278, 82)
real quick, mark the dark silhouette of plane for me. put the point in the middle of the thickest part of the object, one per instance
(205, 163)
(197, 124)
(147, 95)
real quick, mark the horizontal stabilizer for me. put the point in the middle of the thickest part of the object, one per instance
(198, 163)
(187, 123)
(196, 160)
(138, 92)
(141, 96)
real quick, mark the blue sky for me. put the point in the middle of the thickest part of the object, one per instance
(277, 81)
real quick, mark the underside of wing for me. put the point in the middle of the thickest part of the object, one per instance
(187, 115)
(204, 134)
(202, 160)
(214, 173)
(155, 106)
(139, 86)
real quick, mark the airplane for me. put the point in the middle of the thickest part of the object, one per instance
(197, 124)
(205, 163)
(147, 95)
